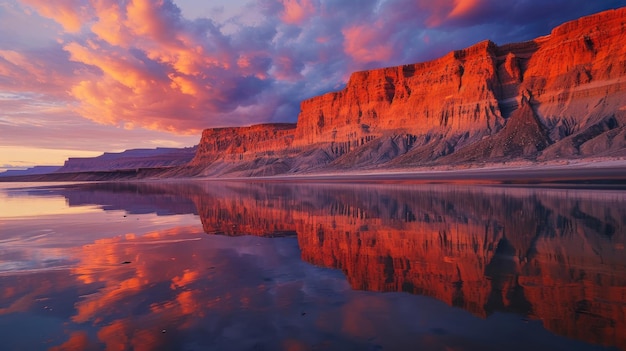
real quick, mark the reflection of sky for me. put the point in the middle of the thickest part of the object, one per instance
(139, 281)
(40, 206)
(41, 233)
(237, 294)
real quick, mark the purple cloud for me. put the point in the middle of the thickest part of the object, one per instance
(140, 63)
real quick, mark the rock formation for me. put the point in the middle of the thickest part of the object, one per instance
(29, 171)
(562, 95)
(130, 159)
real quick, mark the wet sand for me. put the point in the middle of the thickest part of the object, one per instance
(610, 174)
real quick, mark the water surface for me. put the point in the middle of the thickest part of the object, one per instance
(267, 266)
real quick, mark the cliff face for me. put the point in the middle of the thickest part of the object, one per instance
(577, 80)
(573, 83)
(454, 95)
(237, 142)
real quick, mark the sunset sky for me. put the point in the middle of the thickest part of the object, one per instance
(80, 77)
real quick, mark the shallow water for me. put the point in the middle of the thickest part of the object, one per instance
(267, 266)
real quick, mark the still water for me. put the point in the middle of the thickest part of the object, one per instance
(270, 266)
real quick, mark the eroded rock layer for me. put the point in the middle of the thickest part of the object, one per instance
(572, 82)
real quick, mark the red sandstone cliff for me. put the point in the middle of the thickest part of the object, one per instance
(453, 96)
(464, 106)
(234, 143)
(246, 151)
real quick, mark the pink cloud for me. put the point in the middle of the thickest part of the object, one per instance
(122, 68)
(297, 11)
(68, 13)
(366, 43)
(146, 67)
(43, 73)
(109, 25)
(464, 7)
(141, 64)
(156, 20)
(285, 69)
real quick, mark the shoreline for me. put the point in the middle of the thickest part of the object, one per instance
(606, 172)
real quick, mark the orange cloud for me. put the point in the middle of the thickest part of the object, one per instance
(129, 93)
(110, 24)
(149, 69)
(188, 277)
(448, 10)
(116, 335)
(147, 18)
(139, 63)
(68, 13)
(123, 69)
(77, 341)
(464, 7)
(296, 11)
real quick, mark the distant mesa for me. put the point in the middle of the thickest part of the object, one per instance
(37, 170)
(129, 164)
(130, 159)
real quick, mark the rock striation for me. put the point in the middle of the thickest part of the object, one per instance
(558, 96)
(239, 143)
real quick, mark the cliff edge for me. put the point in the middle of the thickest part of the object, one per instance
(561, 96)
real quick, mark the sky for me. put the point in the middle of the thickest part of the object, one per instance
(81, 77)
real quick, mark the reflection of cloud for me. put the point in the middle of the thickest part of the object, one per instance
(77, 341)
(20, 207)
(190, 285)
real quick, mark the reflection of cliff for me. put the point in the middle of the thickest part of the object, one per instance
(554, 255)
(562, 262)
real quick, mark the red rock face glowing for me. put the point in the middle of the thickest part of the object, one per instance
(542, 254)
(572, 83)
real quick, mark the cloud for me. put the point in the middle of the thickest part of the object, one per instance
(362, 44)
(142, 64)
(296, 11)
(44, 72)
(68, 13)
